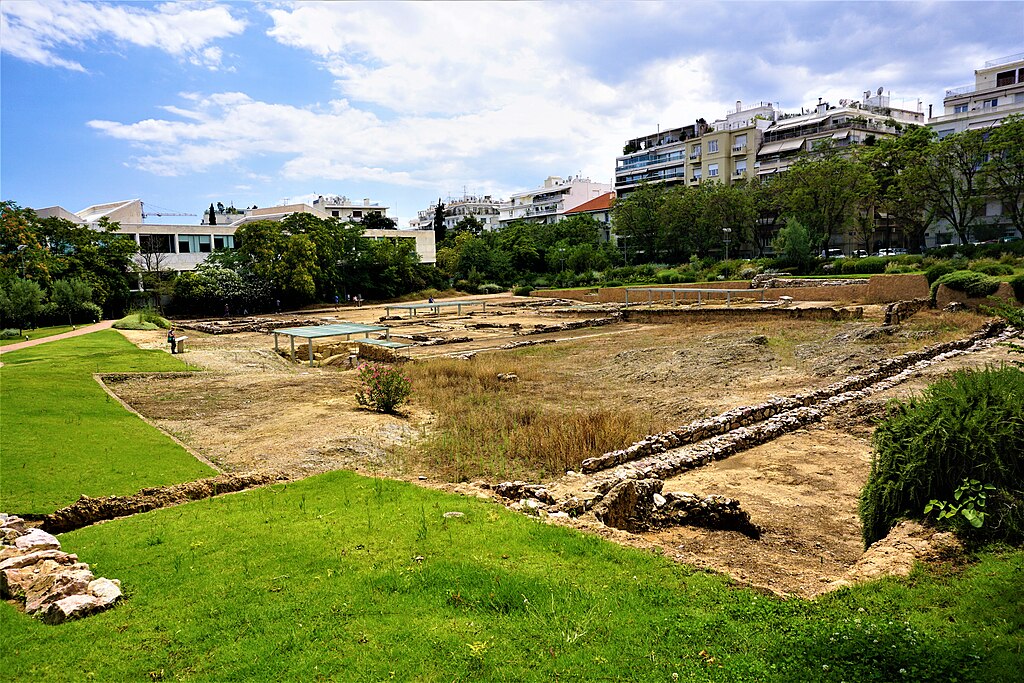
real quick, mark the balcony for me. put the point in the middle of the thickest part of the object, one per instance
(739, 173)
(739, 149)
(694, 155)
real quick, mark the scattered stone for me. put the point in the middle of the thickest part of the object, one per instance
(453, 515)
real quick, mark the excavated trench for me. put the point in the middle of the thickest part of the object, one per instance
(623, 488)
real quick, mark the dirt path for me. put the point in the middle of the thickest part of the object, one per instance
(103, 325)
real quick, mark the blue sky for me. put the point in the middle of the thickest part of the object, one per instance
(181, 104)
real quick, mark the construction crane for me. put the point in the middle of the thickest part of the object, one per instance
(162, 212)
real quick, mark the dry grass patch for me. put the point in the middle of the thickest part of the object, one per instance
(535, 426)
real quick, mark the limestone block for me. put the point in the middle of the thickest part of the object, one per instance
(30, 559)
(49, 588)
(37, 539)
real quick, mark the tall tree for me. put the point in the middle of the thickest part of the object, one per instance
(377, 221)
(636, 223)
(20, 302)
(898, 166)
(767, 194)
(440, 229)
(1004, 170)
(823, 190)
(729, 214)
(951, 181)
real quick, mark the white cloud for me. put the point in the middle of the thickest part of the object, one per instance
(37, 32)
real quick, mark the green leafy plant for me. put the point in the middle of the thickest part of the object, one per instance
(383, 388)
(968, 500)
(976, 285)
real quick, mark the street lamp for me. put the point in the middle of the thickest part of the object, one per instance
(21, 250)
(726, 234)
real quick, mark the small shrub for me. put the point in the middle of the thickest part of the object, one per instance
(522, 290)
(10, 333)
(967, 427)
(938, 270)
(868, 265)
(896, 268)
(613, 283)
(974, 285)
(383, 387)
(990, 267)
(142, 319)
(490, 288)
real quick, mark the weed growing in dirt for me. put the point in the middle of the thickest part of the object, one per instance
(62, 436)
(494, 426)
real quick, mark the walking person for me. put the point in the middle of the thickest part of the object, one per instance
(172, 340)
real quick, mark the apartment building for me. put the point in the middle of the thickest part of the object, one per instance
(549, 203)
(997, 92)
(849, 124)
(724, 151)
(485, 209)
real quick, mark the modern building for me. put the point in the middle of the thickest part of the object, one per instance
(724, 151)
(345, 209)
(549, 203)
(847, 125)
(600, 209)
(485, 209)
(997, 93)
(183, 247)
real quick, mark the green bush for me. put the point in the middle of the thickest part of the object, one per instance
(867, 265)
(1017, 284)
(383, 388)
(974, 285)
(91, 312)
(142, 319)
(522, 290)
(490, 288)
(612, 283)
(991, 267)
(938, 270)
(967, 427)
(10, 333)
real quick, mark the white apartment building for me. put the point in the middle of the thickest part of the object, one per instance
(549, 203)
(485, 209)
(997, 92)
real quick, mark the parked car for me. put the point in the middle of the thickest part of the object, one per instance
(894, 251)
(831, 253)
(859, 253)
(1011, 238)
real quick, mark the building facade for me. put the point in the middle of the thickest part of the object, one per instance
(600, 209)
(485, 209)
(549, 203)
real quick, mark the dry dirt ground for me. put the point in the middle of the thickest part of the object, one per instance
(253, 409)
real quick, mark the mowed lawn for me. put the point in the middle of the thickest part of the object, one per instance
(37, 333)
(344, 578)
(61, 435)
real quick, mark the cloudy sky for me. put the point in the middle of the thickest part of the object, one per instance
(181, 104)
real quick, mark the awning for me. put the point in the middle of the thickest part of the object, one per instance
(790, 145)
(771, 148)
(840, 135)
(794, 123)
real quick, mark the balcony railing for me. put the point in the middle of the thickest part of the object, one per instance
(739, 149)
(695, 155)
(1005, 60)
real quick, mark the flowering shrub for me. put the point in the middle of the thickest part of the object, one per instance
(383, 388)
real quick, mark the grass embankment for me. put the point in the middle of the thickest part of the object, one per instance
(535, 427)
(340, 577)
(63, 436)
(37, 333)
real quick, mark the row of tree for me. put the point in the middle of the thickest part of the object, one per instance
(904, 184)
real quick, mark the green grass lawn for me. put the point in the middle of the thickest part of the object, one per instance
(37, 333)
(319, 580)
(61, 435)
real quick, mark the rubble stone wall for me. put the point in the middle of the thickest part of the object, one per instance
(701, 314)
(887, 288)
(48, 583)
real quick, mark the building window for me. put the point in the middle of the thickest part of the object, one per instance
(357, 214)
(945, 132)
(695, 152)
(335, 213)
(712, 146)
(712, 170)
(741, 141)
(741, 167)
(194, 244)
(960, 109)
(1005, 78)
(994, 102)
(156, 244)
(223, 242)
